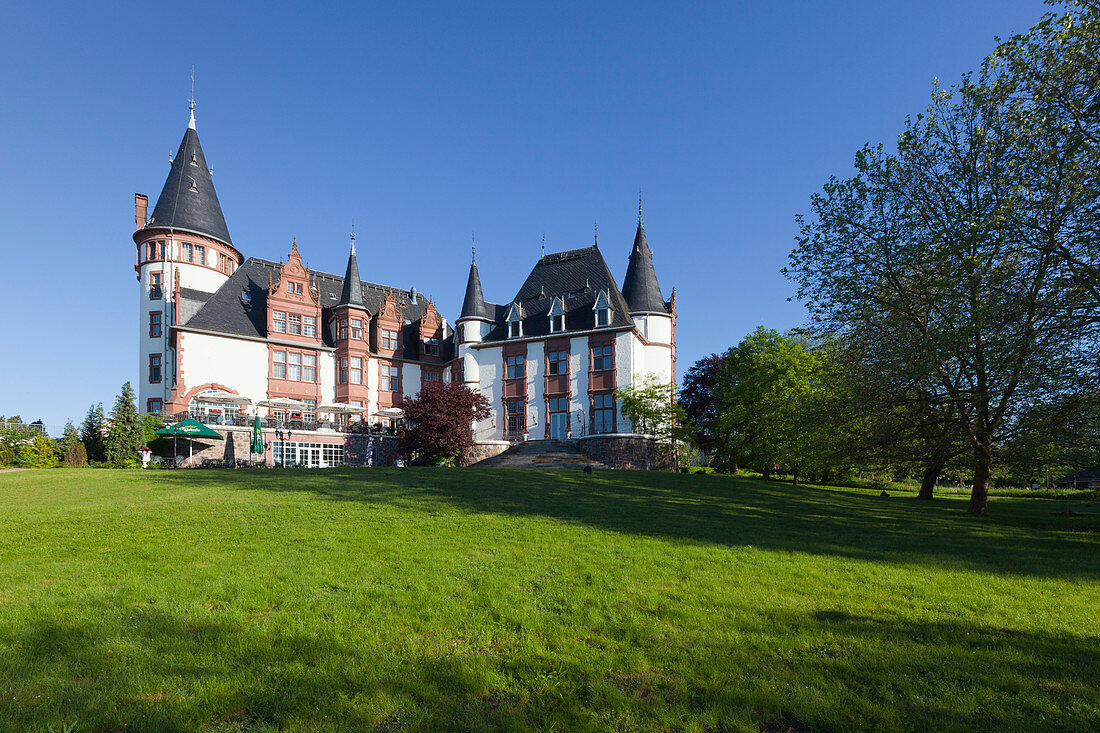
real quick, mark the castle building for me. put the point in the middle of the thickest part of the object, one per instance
(223, 337)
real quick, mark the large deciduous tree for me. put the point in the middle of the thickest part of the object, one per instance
(439, 421)
(700, 405)
(945, 260)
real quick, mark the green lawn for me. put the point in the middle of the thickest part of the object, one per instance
(434, 599)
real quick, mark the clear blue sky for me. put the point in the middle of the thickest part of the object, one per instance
(426, 122)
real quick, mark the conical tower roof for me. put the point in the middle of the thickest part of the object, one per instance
(188, 201)
(352, 292)
(474, 305)
(640, 288)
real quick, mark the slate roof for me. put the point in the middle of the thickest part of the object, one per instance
(576, 276)
(350, 295)
(188, 200)
(640, 288)
(229, 312)
(474, 305)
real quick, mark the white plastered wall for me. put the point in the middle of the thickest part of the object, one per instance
(534, 368)
(490, 381)
(238, 364)
(578, 385)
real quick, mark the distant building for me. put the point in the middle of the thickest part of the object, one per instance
(316, 346)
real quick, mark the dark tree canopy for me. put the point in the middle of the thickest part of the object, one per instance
(438, 421)
(698, 400)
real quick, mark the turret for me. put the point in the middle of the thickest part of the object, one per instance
(185, 240)
(352, 330)
(476, 317)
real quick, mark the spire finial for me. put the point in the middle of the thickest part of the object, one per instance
(595, 234)
(473, 249)
(639, 207)
(353, 236)
(191, 124)
(543, 245)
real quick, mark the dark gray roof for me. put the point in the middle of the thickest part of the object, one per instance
(474, 305)
(240, 305)
(191, 301)
(576, 276)
(640, 287)
(350, 295)
(188, 200)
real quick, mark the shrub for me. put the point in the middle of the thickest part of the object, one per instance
(76, 455)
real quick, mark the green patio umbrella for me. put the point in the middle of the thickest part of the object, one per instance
(257, 436)
(189, 428)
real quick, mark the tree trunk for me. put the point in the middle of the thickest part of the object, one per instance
(932, 471)
(979, 495)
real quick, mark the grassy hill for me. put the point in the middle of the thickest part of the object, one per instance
(414, 599)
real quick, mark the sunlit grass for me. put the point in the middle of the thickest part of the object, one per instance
(392, 599)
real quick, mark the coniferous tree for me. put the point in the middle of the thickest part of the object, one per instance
(71, 451)
(91, 433)
(126, 434)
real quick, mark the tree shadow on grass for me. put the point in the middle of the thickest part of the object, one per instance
(162, 671)
(1023, 537)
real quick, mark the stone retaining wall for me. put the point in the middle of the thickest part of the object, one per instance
(624, 451)
(484, 450)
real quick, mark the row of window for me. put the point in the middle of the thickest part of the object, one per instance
(193, 253)
(557, 320)
(294, 323)
(294, 366)
(602, 414)
(307, 455)
(557, 362)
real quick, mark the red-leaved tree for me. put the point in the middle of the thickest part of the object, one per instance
(439, 421)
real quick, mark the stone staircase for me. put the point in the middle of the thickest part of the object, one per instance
(541, 454)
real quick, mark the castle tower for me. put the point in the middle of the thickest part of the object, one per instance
(352, 326)
(653, 317)
(473, 324)
(183, 246)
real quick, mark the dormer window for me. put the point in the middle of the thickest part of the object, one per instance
(557, 316)
(603, 310)
(515, 322)
(431, 347)
(294, 288)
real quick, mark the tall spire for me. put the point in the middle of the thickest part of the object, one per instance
(188, 201)
(191, 124)
(474, 305)
(352, 292)
(640, 288)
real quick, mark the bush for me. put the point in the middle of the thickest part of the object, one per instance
(38, 453)
(878, 484)
(76, 456)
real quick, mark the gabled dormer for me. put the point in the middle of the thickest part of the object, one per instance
(602, 309)
(431, 334)
(557, 315)
(514, 319)
(387, 327)
(293, 304)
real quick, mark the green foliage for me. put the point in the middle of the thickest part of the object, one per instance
(151, 422)
(536, 600)
(92, 433)
(38, 452)
(964, 263)
(7, 454)
(781, 402)
(76, 456)
(125, 435)
(650, 406)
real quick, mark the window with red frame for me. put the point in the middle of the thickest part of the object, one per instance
(154, 368)
(155, 325)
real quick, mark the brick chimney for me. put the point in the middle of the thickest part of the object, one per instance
(141, 208)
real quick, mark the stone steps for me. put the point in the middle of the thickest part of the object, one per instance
(541, 454)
